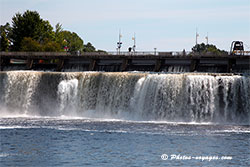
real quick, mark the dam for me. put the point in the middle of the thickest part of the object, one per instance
(183, 97)
(126, 61)
(169, 86)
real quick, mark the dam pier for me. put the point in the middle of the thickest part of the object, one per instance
(126, 61)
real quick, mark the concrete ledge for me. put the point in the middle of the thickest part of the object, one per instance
(141, 61)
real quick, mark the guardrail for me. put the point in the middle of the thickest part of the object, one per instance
(143, 53)
(172, 53)
(238, 52)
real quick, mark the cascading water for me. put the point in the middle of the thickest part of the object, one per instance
(67, 94)
(137, 96)
(17, 91)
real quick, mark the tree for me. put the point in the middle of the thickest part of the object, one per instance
(58, 35)
(30, 25)
(4, 42)
(28, 44)
(72, 41)
(4, 37)
(59, 29)
(101, 51)
(28, 30)
(52, 46)
(209, 48)
(89, 48)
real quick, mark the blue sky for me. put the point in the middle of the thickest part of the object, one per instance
(168, 25)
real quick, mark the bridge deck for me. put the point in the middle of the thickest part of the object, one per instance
(111, 61)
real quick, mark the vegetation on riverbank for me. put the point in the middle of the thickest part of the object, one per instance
(207, 48)
(29, 32)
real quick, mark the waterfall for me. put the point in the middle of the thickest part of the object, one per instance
(181, 97)
(17, 90)
(67, 94)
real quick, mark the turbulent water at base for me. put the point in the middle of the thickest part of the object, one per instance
(184, 97)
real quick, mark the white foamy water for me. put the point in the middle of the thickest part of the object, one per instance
(183, 97)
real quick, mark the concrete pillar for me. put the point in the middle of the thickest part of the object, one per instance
(60, 64)
(124, 64)
(92, 65)
(4, 62)
(1, 64)
(29, 64)
(158, 64)
(194, 65)
(230, 64)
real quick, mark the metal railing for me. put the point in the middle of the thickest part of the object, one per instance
(113, 53)
(143, 53)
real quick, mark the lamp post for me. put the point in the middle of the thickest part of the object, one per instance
(196, 37)
(207, 38)
(134, 46)
(119, 43)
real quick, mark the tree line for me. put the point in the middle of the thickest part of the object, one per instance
(207, 48)
(29, 32)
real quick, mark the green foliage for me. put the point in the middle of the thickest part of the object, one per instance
(52, 46)
(59, 36)
(30, 25)
(31, 33)
(4, 37)
(101, 51)
(28, 44)
(58, 30)
(209, 48)
(71, 40)
(89, 48)
(4, 43)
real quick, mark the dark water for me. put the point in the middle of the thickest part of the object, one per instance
(37, 141)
